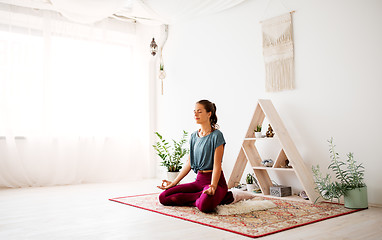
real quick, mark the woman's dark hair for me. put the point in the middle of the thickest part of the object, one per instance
(210, 107)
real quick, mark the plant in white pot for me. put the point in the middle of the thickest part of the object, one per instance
(251, 183)
(258, 131)
(171, 155)
(350, 184)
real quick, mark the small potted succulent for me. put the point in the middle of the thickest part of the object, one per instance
(162, 73)
(258, 131)
(171, 155)
(251, 182)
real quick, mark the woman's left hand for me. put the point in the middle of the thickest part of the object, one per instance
(210, 191)
(166, 185)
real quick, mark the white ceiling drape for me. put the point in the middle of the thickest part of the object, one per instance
(87, 11)
(175, 11)
(154, 12)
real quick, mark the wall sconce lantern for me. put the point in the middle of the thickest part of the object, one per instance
(154, 47)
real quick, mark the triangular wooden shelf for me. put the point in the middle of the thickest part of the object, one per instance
(249, 153)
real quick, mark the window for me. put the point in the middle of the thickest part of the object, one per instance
(71, 107)
(66, 79)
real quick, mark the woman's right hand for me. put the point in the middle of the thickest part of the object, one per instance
(166, 185)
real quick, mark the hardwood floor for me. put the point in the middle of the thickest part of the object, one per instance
(84, 212)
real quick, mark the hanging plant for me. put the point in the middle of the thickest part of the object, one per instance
(162, 74)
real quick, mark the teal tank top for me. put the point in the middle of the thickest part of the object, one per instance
(202, 150)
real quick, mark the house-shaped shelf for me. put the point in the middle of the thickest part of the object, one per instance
(249, 153)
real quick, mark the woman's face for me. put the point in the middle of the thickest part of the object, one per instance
(201, 115)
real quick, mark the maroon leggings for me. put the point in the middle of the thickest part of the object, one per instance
(191, 194)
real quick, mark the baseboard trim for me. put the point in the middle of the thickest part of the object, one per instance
(375, 205)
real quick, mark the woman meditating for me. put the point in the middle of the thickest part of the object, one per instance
(206, 154)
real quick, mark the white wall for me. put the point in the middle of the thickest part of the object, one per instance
(338, 59)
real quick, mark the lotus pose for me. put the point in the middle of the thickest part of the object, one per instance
(206, 154)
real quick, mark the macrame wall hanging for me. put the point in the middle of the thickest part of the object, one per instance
(278, 53)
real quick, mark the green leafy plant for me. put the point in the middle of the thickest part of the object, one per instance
(171, 155)
(258, 128)
(250, 179)
(349, 175)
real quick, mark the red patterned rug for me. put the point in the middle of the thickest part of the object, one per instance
(287, 215)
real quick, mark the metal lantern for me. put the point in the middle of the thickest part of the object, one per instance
(154, 47)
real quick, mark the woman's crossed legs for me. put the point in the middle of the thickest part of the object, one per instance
(191, 194)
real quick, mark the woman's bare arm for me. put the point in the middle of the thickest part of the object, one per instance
(185, 170)
(216, 171)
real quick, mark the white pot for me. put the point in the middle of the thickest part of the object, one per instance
(258, 134)
(251, 187)
(171, 176)
(162, 74)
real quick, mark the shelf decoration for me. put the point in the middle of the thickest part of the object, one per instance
(278, 53)
(267, 162)
(270, 132)
(280, 191)
(258, 131)
(286, 164)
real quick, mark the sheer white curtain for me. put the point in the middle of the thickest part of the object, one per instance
(72, 109)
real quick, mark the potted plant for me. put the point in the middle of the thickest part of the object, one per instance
(171, 155)
(162, 73)
(350, 180)
(251, 182)
(258, 131)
